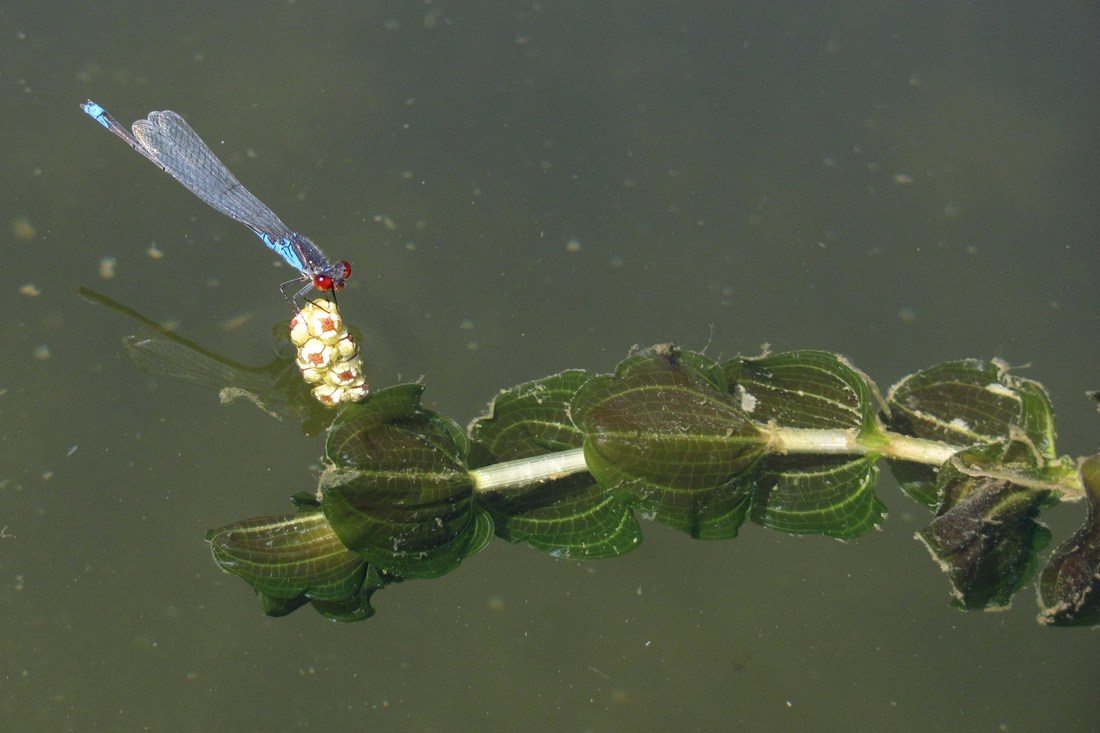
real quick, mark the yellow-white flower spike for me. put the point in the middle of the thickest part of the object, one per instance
(328, 355)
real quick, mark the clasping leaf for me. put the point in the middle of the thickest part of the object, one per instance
(1069, 588)
(664, 435)
(397, 490)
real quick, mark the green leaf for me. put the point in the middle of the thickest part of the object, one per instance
(568, 517)
(398, 491)
(528, 420)
(1069, 588)
(664, 434)
(832, 496)
(985, 534)
(289, 556)
(572, 517)
(803, 389)
(968, 402)
(356, 607)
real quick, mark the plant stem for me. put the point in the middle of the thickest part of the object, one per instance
(844, 442)
(526, 471)
(783, 441)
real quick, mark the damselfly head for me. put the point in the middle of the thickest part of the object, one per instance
(333, 278)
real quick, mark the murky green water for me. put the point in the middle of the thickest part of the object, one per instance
(522, 188)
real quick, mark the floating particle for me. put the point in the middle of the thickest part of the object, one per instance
(30, 290)
(22, 228)
(154, 252)
(42, 352)
(107, 267)
(234, 323)
(573, 245)
(902, 179)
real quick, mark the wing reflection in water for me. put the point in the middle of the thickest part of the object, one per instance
(276, 388)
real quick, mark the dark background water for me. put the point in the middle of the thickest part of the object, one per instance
(522, 188)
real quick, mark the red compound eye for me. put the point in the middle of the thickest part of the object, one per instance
(333, 278)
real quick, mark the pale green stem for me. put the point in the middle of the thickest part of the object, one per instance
(525, 471)
(784, 441)
(846, 442)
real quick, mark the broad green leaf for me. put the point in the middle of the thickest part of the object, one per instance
(569, 517)
(572, 517)
(985, 534)
(356, 607)
(1069, 588)
(831, 496)
(289, 556)
(531, 419)
(803, 389)
(665, 435)
(398, 491)
(969, 402)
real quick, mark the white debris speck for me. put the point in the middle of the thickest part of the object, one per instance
(1000, 389)
(960, 424)
(107, 267)
(748, 402)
